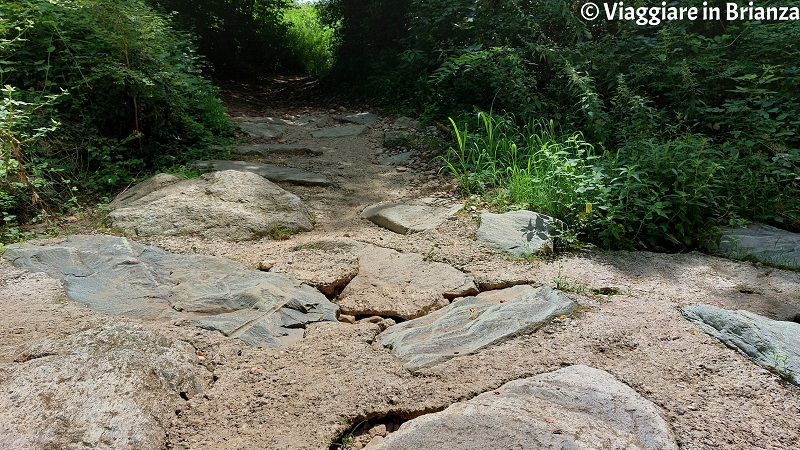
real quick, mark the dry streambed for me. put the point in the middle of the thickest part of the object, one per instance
(353, 335)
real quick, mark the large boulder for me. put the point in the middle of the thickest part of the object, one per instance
(116, 276)
(230, 205)
(115, 386)
(771, 343)
(762, 242)
(520, 233)
(472, 323)
(577, 407)
(401, 285)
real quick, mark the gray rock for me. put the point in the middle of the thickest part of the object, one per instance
(276, 174)
(405, 219)
(406, 122)
(116, 276)
(577, 407)
(765, 243)
(114, 386)
(472, 323)
(147, 187)
(266, 127)
(317, 121)
(399, 159)
(397, 138)
(403, 285)
(771, 343)
(340, 132)
(327, 264)
(269, 120)
(520, 233)
(274, 149)
(364, 118)
(231, 205)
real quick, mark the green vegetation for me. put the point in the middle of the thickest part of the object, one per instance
(96, 94)
(310, 40)
(636, 136)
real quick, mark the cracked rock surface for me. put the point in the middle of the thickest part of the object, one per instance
(117, 276)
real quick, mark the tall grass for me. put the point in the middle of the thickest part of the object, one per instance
(669, 193)
(309, 39)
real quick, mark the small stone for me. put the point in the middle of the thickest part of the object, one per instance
(378, 430)
(347, 318)
(393, 400)
(376, 442)
(386, 323)
(401, 169)
(373, 319)
(680, 411)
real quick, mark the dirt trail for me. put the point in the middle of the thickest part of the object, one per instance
(310, 394)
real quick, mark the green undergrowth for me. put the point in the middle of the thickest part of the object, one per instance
(669, 192)
(95, 96)
(309, 39)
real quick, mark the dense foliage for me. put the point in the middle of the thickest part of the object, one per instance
(659, 133)
(238, 37)
(96, 93)
(310, 40)
(637, 136)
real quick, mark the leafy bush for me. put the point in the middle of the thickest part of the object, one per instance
(669, 193)
(310, 40)
(120, 88)
(238, 37)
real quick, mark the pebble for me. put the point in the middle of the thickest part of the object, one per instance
(347, 318)
(401, 169)
(377, 441)
(378, 430)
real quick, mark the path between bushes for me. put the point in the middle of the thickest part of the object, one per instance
(312, 393)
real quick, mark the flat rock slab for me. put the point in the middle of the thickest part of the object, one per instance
(472, 323)
(771, 343)
(114, 386)
(406, 122)
(402, 285)
(315, 121)
(405, 219)
(400, 159)
(364, 118)
(520, 233)
(577, 407)
(276, 174)
(116, 276)
(229, 205)
(765, 243)
(327, 264)
(266, 127)
(273, 149)
(340, 132)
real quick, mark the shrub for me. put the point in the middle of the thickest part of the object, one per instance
(120, 88)
(310, 40)
(663, 193)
